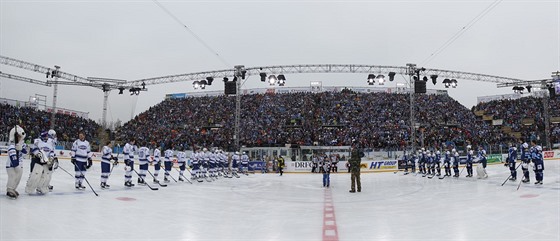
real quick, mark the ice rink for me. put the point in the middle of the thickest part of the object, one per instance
(289, 207)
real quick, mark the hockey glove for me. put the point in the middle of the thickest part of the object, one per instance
(89, 163)
(115, 162)
(73, 160)
(55, 163)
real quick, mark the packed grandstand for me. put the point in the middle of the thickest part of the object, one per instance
(380, 120)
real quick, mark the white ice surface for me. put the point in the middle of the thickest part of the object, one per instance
(270, 207)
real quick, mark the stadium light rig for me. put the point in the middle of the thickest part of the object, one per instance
(272, 79)
(381, 79)
(281, 80)
(371, 79)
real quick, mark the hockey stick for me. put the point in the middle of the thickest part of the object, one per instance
(519, 185)
(180, 174)
(161, 185)
(66, 171)
(148, 185)
(510, 174)
(166, 172)
(87, 181)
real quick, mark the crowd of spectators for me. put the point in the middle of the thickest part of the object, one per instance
(377, 120)
(525, 116)
(35, 121)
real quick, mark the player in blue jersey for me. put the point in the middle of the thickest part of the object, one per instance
(538, 161)
(525, 161)
(510, 162)
(470, 157)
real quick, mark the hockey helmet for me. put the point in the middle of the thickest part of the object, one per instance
(205, 149)
(525, 145)
(44, 135)
(469, 147)
(453, 150)
(448, 153)
(538, 148)
(471, 152)
(437, 152)
(236, 153)
(17, 139)
(52, 134)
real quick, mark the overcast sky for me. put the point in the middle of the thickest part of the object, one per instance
(136, 39)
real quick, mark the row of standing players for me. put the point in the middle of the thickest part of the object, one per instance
(44, 161)
(204, 164)
(429, 162)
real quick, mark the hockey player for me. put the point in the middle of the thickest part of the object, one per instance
(156, 162)
(14, 165)
(510, 162)
(143, 162)
(525, 160)
(405, 159)
(106, 158)
(470, 157)
(195, 161)
(538, 160)
(447, 164)
(455, 162)
(245, 163)
(182, 163)
(81, 158)
(430, 162)
(235, 164)
(481, 168)
(437, 161)
(422, 161)
(168, 162)
(43, 162)
(223, 160)
(47, 145)
(334, 163)
(128, 152)
(213, 163)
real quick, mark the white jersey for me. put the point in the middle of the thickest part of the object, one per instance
(128, 152)
(46, 146)
(223, 158)
(143, 155)
(181, 157)
(157, 154)
(81, 150)
(244, 159)
(106, 155)
(168, 155)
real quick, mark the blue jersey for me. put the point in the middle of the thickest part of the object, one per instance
(469, 158)
(447, 158)
(512, 154)
(525, 155)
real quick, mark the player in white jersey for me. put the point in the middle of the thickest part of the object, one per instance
(213, 164)
(245, 163)
(106, 158)
(182, 163)
(235, 163)
(143, 162)
(224, 169)
(195, 164)
(128, 152)
(156, 161)
(14, 164)
(43, 163)
(81, 158)
(168, 162)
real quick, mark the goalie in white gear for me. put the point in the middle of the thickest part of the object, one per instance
(43, 162)
(14, 165)
(481, 168)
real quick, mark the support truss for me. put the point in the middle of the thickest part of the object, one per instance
(323, 68)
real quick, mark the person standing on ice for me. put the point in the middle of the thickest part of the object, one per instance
(355, 162)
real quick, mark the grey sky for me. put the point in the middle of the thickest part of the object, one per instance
(136, 39)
